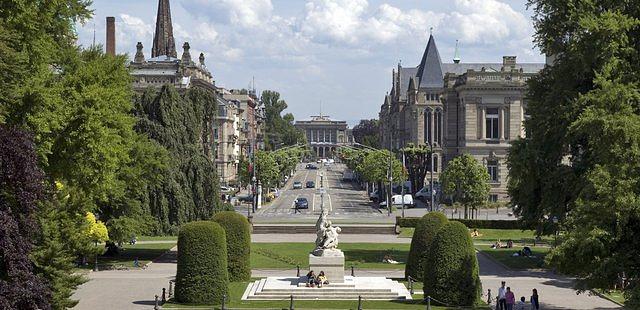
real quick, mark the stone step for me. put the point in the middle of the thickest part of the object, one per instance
(323, 291)
(323, 297)
(311, 229)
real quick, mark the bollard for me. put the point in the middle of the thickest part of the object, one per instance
(411, 285)
(170, 288)
(291, 303)
(353, 274)
(155, 306)
(298, 271)
(224, 302)
(359, 302)
(164, 295)
(428, 302)
(488, 296)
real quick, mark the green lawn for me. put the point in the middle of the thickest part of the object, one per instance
(614, 295)
(491, 235)
(158, 238)
(144, 252)
(360, 255)
(505, 256)
(236, 289)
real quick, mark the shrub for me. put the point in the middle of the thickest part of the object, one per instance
(454, 279)
(202, 263)
(238, 234)
(426, 229)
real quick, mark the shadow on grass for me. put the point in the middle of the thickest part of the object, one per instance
(375, 256)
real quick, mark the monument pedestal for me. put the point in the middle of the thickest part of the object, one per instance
(331, 262)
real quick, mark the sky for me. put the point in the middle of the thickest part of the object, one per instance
(329, 55)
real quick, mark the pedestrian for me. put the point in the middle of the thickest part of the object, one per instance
(502, 304)
(535, 304)
(521, 304)
(136, 263)
(295, 206)
(510, 298)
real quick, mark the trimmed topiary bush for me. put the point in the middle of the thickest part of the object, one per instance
(202, 264)
(238, 234)
(451, 273)
(426, 229)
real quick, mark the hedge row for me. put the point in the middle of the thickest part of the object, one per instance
(480, 224)
(423, 236)
(238, 233)
(202, 276)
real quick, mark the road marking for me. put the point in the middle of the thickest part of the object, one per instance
(313, 204)
(330, 206)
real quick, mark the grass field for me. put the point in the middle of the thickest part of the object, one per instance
(614, 295)
(491, 235)
(144, 252)
(158, 238)
(236, 289)
(505, 256)
(360, 255)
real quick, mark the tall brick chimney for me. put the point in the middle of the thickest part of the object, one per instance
(111, 36)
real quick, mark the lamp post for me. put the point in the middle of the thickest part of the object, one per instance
(254, 191)
(431, 179)
(555, 236)
(402, 190)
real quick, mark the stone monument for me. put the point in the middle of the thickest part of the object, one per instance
(326, 256)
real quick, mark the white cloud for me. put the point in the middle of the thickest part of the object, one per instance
(246, 13)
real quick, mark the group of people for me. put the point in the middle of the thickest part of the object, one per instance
(316, 281)
(500, 245)
(506, 300)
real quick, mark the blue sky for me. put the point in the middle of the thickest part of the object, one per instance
(338, 53)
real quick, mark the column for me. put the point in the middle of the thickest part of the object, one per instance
(483, 124)
(433, 122)
(501, 123)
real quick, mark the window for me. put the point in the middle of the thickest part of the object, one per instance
(435, 163)
(492, 168)
(493, 198)
(438, 127)
(215, 133)
(427, 126)
(492, 127)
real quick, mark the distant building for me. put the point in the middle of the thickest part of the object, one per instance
(226, 134)
(325, 135)
(475, 108)
(250, 119)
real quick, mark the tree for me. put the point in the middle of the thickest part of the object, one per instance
(21, 189)
(367, 132)
(580, 161)
(454, 277)
(421, 242)
(267, 170)
(375, 166)
(202, 275)
(418, 162)
(467, 180)
(279, 129)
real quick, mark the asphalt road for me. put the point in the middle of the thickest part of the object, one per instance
(343, 200)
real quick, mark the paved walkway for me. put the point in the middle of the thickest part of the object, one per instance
(135, 289)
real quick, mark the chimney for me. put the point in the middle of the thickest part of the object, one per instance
(111, 36)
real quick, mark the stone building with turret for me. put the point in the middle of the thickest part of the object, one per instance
(456, 108)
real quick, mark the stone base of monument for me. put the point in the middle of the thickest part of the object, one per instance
(329, 261)
(369, 288)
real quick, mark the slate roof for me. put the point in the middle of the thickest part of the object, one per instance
(430, 68)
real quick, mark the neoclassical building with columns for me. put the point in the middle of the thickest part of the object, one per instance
(325, 135)
(474, 108)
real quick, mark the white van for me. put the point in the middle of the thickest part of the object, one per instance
(396, 200)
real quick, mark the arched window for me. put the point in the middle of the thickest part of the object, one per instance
(435, 163)
(438, 127)
(427, 126)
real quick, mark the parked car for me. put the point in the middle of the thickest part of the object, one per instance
(302, 203)
(297, 185)
(311, 166)
(226, 189)
(396, 200)
(311, 184)
(423, 194)
(245, 198)
(374, 196)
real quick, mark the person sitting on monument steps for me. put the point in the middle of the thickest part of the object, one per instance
(322, 279)
(311, 279)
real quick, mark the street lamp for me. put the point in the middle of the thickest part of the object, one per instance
(254, 191)
(431, 179)
(402, 190)
(555, 236)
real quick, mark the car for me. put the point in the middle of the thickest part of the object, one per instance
(297, 185)
(245, 198)
(374, 196)
(396, 200)
(302, 203)
(311, 166)
(311, 184)
(423, 194)
(319, 161)
(226, 189)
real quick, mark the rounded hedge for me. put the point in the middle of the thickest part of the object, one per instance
(238, 232)
(423, 234)
(451, 273)
(202, 276)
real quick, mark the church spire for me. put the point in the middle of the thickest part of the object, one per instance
(430, 69)
(163, 42)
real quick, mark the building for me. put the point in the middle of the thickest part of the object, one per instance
(475, 108)
(248, 103)
(324, 135)
(226, 134)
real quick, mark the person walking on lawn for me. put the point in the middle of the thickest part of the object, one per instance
(502, 304)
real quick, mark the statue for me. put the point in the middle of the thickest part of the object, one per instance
(326, 235)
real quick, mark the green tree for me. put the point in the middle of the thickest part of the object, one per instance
(580, 161)
(451, 273)
(375, 167)
(421, 242)
(267, 170)
(367, 132)
(467, 181)
(418, 161)
(279, 129)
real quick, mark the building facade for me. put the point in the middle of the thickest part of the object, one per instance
(456, 108)
(226, 135)
(324, 135)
